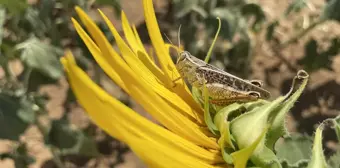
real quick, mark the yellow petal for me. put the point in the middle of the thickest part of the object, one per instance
(130, 35)
(172, 98)
(128, 126)
(162, 53)
(139, 41)
(103, 62)
(134, 44)
(157, 41)
(166, 114)
(157, 87)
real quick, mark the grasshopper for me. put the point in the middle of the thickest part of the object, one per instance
(223, 88)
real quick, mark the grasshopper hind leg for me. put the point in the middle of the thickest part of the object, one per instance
(222, 95)
(234, 99)
(258, 83)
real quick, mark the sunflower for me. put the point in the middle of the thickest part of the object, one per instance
(183, 138)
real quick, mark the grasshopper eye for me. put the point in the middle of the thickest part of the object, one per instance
(183, 55)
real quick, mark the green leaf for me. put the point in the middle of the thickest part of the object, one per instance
(295, 6)
(71, 140)
(46, 9)
(300, 164)
(14, 7)
(41, 56)
(34, 22)
(294, 149)
(331, 10)
(21, 157)
(318, 158)
(16, 115)
(62, 135)
(252, 9)
(315, 58)
(184, 7)
(334, 160)
(2, 21)
(271, 30)
(230, 22)
(27, 110)
(37, 78)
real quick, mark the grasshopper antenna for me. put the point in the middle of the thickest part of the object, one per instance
(168, 39)
(179, 36)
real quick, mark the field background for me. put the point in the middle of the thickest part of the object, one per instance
(276, 68)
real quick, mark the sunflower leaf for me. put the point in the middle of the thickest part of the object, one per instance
(334, 160)
(2, 21)
(16, 114)
(41, 56)
(331, 10)
(71, 141)
(294, 150)
(295, 6)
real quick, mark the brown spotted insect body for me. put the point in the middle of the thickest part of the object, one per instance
(223, 88)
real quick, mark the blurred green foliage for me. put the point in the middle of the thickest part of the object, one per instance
(36, 34)
(242, 22)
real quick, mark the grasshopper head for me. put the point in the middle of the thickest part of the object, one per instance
(182, 56)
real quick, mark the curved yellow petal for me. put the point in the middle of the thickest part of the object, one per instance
(172, 98)
(157, 41)
(157, 87)
(139, 90)
(163, 56)
(139, 41)
(170, 158)
(103, 62)
(128, 126)
(134, 45)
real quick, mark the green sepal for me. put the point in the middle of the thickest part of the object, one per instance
(242, 156)
(248, 126)
(207, 115)
(222, 123)
(318, 158)
(278, 116)
(266, 158)
(336, 123)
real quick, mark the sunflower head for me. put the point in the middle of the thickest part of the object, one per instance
(192, 132)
